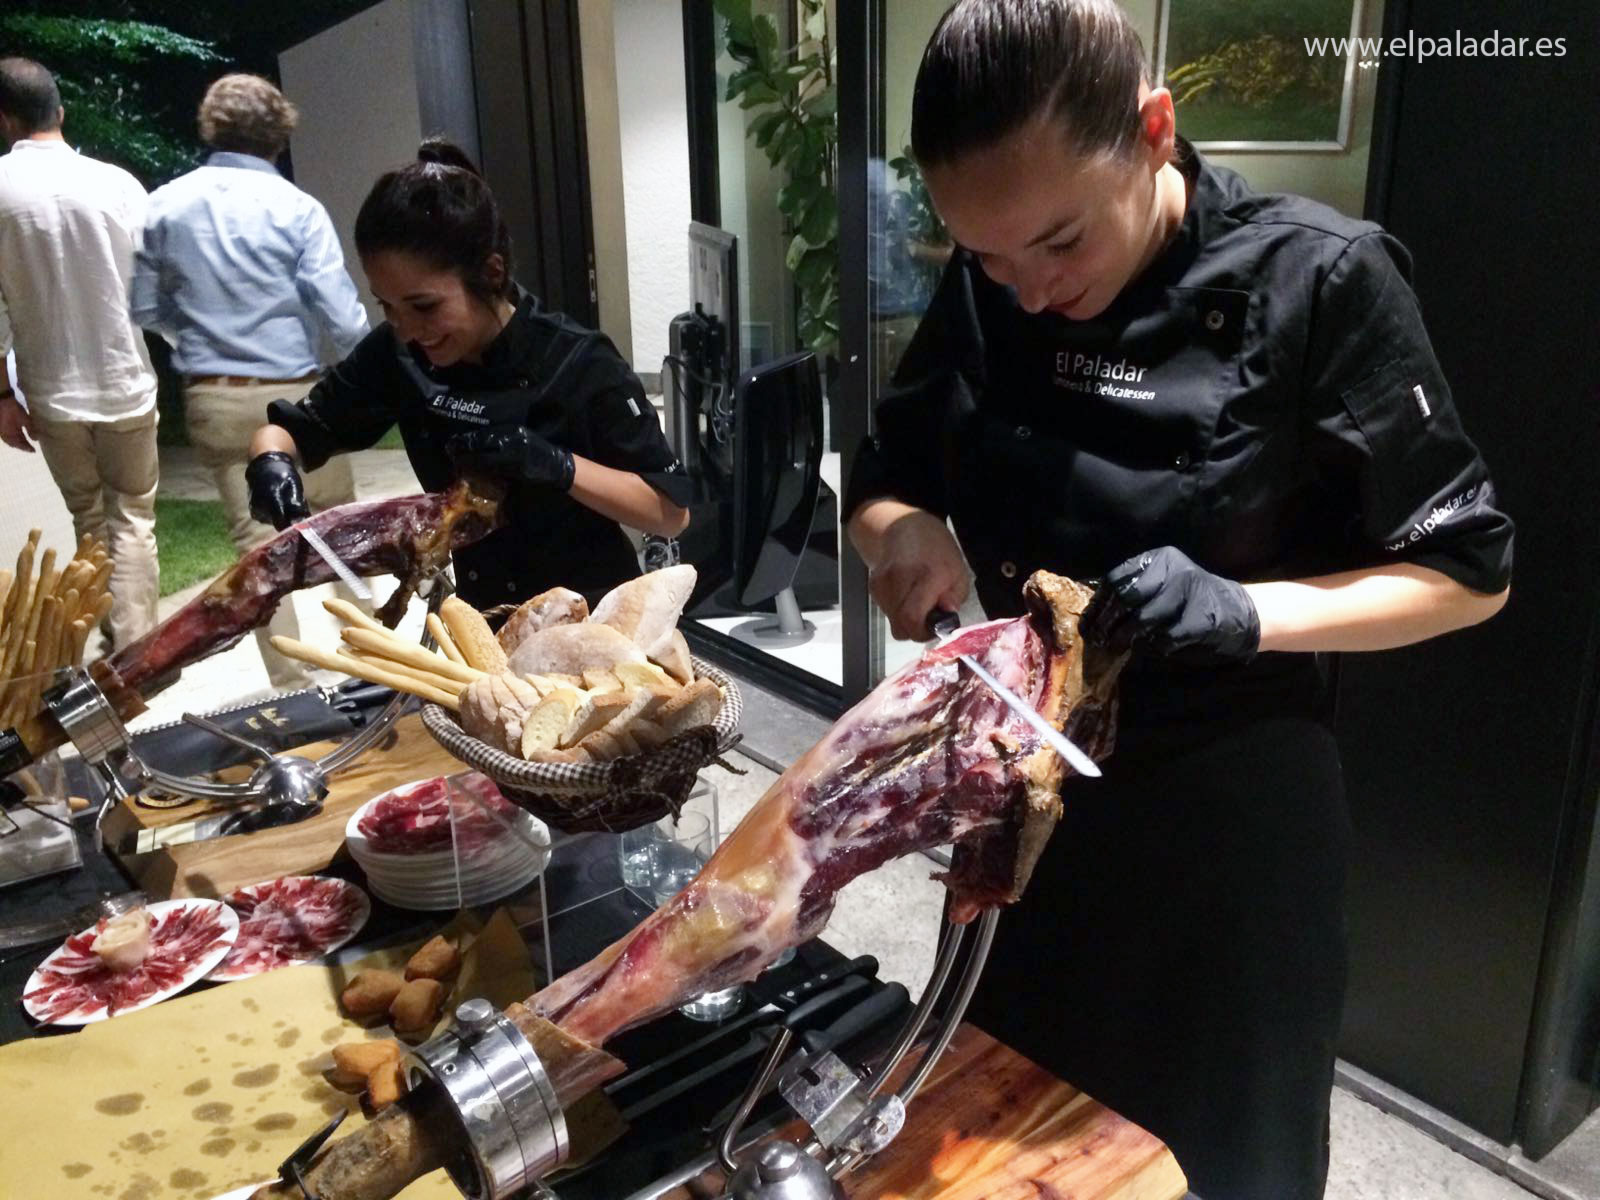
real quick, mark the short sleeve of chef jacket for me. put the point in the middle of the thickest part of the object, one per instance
(1381, 420)
(937, 378)
(623, 430)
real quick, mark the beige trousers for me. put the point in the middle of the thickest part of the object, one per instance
(107, 473)
(220, 419)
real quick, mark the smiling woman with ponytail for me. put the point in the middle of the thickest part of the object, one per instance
(481, 381)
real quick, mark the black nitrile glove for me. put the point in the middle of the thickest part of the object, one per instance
(1161, 601)
(277, 497)
(511, 453)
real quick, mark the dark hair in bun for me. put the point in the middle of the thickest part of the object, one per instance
(440, 209)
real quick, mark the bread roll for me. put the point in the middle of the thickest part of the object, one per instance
(647, 609)
(549, 720)
(494, 710)
(596, 712)
(696, 704)
(572, 650)
(675, 658)
(558, 606)
(472, 635)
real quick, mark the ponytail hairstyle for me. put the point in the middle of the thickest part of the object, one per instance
(440, 209)
(992, 66)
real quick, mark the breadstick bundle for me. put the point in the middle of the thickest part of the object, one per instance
(46, 616)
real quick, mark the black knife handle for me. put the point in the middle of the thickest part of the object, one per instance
(875, 1009)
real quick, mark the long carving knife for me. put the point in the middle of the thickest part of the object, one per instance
(352, 581)
(943, 624)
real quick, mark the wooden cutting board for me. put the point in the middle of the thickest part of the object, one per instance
(990, 1124)
(214, 868)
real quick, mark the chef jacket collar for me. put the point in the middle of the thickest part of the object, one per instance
(513, 345)
(1203, 219)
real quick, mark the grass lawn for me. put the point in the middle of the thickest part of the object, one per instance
(192, 541)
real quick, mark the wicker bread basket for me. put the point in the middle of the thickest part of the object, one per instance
(618, 795)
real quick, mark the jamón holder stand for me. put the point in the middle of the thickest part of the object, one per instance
(284, 789)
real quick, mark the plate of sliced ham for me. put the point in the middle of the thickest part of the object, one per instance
(291, 920)
(125, 963)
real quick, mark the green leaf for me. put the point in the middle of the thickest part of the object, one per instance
(797, 251)
(824, 105)
(738, 15)
(760, 92)
(814, 265)
(821, 223)
(766, 42)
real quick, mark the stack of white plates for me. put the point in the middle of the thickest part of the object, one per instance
(489, 867)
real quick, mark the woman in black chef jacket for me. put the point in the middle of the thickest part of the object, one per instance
(1223, 405)
(481, 381)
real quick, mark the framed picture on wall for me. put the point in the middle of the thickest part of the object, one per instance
(1260, 74)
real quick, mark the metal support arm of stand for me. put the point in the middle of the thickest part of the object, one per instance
(850, 1116)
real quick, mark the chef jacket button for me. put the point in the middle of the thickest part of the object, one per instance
(1008, 569)
(522, 383)
(1180, 462)
(1024, 432)
(1214, 320)
(511, 587)
(473, 575)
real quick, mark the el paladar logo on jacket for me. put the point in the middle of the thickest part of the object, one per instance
(1100, 375)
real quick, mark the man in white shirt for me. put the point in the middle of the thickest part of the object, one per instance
(242, 272)
(69, 226)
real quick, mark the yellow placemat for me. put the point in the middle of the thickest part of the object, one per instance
(209, 1091)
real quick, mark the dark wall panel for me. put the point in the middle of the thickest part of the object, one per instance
(1467, 757)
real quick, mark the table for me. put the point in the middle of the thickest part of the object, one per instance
(988, 1123)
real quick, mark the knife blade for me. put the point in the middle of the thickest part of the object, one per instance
(352, 581)
(943, 624)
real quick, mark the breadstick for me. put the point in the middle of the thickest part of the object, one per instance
(363, 670)
(472, 635)
(46, 587)
(397, 648)
(18, 688)
(6, 578)
(351, 615)
(80, 639)
(447, 644)
(43, 662)
(71, 606)
(102, 608)
(16, 615)
(430, 678)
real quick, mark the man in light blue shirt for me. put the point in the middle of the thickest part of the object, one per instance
(242, 272)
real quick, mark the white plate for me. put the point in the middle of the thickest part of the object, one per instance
(362, 909)
(83, 960)
(471, 895)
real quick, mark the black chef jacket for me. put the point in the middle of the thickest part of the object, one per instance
(543, 370)
(1263, 397)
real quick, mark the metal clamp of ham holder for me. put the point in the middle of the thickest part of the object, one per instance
(850, 1115)
(501, 1098)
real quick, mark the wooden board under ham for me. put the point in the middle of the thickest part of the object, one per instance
(291, 920)
(187, 939)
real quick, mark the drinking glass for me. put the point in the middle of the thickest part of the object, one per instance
(680, 848)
